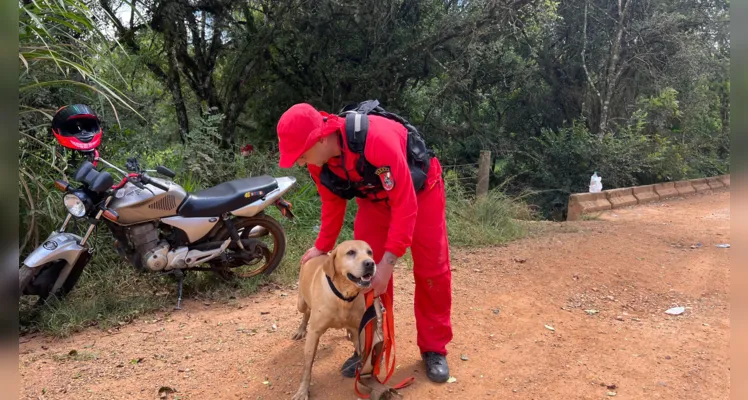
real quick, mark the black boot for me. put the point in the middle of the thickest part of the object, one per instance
(436, 366)
(349, 366)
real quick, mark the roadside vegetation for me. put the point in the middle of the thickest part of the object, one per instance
(637, 91)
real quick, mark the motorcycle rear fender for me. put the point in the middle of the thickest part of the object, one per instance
(250, 210)
(58, 246)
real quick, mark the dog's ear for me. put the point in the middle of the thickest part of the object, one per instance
(329, 267)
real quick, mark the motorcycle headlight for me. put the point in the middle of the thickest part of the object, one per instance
(75, 204)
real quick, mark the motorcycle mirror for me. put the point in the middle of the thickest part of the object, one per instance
(132, 164)
(165, 171)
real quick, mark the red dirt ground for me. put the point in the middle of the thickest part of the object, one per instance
(631, 265)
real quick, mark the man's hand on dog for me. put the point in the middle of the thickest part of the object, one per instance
(311, 253)
(383, 275)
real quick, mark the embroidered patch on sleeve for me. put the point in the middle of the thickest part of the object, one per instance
(385, 175)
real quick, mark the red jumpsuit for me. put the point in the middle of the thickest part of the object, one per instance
(401, 219)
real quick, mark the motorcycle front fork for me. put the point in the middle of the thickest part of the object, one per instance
(62, 277)
(65, 223)
(90, 230)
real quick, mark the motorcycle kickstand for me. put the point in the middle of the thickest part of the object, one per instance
(180, 278)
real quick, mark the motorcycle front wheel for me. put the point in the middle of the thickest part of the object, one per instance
(39, 281)
(257, 234)
(25, 276)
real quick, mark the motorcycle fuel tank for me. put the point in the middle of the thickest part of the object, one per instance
(135, 205)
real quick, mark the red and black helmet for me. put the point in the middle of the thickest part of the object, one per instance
(77, 127)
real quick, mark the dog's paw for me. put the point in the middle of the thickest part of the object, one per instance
(299, 335)
(302, 394)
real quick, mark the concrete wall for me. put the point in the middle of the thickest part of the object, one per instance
(666, 190)
(584, 203)
(725, 180)
(700, 185)
(580, 203)
(684, 188)
(619, 198)
(645, 194)
(715, 183)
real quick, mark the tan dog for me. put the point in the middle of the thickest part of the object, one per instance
(349, 268)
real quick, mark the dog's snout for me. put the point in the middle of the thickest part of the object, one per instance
(369, 266)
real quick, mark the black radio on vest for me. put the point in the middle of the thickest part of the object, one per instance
(356, 129)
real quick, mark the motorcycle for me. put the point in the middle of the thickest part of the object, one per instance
(159, 227)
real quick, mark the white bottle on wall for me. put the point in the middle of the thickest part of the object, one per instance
(596, 183)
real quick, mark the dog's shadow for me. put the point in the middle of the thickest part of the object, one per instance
(326, 378)
(332, 342)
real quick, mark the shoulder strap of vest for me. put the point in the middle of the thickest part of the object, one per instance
(357, 124)
(356, 129)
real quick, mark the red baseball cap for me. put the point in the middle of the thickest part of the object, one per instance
(299, 128)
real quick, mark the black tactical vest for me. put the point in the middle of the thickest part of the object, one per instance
(356, 129)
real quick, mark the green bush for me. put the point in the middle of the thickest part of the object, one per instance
(649, 147)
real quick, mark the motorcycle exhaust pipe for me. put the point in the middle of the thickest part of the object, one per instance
(207, 246)
(258, 231)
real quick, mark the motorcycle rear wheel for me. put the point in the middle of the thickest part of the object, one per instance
(256, 227)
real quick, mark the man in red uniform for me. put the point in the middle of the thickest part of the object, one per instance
(392, 215)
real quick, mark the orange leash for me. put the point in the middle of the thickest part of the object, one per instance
(383, 351)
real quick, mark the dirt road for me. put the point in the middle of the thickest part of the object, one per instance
(625, 268)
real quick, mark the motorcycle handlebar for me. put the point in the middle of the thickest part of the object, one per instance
(134, 177)
(124, 180)
(147, 180)
(165, 171)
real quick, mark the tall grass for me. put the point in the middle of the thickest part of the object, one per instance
(486, 221)
(61, 45)
(61, 50)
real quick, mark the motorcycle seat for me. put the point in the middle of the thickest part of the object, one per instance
(227, 196)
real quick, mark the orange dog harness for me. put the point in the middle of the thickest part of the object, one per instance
(376, 345)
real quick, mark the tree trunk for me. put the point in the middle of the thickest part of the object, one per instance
(231, 116)
(484, 163)
(175, 87)
(170, 77)
(586, 71)
(173, 79)
(614, 70)
(236, 98)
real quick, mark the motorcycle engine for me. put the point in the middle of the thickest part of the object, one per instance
(144, 240)
(156, 259)
(147, 251)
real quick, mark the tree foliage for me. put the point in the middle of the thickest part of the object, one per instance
(637, 90)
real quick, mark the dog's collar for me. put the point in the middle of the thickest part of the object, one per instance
(337, 292)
